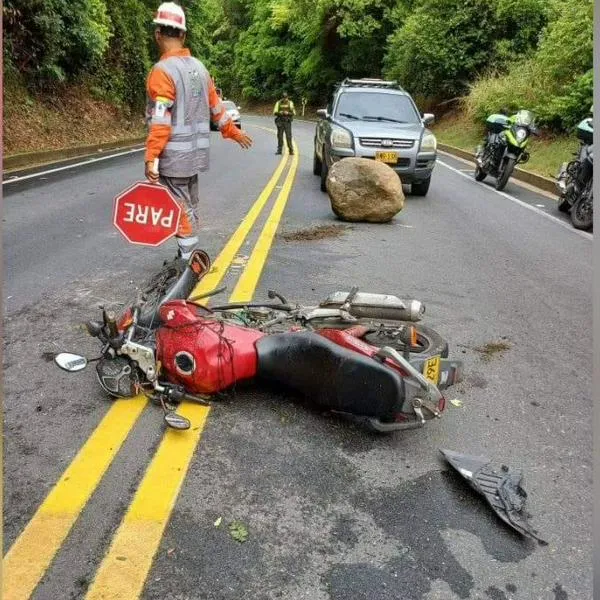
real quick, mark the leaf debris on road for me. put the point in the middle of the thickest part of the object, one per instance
(489, 350)
(238, 531)
(317, 232)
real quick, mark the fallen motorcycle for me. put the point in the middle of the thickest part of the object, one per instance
(360, 355)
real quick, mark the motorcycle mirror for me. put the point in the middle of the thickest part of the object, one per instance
(175, 421)
(70, 362)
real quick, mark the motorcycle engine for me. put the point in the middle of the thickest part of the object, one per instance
(118, 377)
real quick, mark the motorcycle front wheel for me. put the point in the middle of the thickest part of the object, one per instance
(504, 175)
(159, 285)
(480, 174)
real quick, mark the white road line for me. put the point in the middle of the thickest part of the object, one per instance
(517, 182)
(85, 162)
(564, 224)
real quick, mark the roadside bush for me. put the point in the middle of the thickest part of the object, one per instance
(556, 82)
(54, 40)
(443, 44)
(436, 49)
(121, 78)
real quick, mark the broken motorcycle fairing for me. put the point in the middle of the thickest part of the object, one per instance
(502, 491)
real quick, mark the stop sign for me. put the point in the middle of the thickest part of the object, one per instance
(146, 214)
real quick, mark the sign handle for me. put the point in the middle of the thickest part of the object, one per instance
(155, 166)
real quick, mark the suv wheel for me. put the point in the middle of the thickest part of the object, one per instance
(324, 172)
(421, 188)
(316, 164)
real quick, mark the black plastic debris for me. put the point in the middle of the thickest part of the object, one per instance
(502, 491)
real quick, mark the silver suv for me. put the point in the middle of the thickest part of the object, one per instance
(372, 118)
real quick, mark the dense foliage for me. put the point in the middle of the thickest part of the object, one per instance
(556, 81)
(492, 53)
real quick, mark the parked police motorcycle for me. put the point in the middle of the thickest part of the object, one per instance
(575, 180)
(362, 356)
(505, 146)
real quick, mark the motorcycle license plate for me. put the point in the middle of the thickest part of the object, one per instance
(387, 157)
(431, 369)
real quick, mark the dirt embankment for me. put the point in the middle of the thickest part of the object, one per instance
(68, 117)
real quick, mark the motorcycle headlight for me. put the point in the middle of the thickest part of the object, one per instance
(428, 143)
(521, 134)
(341, 138)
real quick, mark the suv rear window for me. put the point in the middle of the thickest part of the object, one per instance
(371, 106)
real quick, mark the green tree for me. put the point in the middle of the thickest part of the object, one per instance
(122, 74)
(556, 81)
(54, 40)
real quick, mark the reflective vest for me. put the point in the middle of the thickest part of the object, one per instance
(284, 105)
(187, 151)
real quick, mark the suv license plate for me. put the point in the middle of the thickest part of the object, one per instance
(387, 157)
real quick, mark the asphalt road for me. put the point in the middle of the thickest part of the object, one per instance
(332, 512)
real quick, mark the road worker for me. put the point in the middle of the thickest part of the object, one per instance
(284, 112)
(182, 100)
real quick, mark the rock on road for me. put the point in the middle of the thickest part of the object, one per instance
(332, 512)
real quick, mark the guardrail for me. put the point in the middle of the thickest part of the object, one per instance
(26, 160)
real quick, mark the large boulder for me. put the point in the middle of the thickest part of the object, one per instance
(361, 189)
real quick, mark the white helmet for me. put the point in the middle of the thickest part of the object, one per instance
(170, 15)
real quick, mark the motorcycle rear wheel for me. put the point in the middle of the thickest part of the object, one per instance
(429, 342)
(582, 213)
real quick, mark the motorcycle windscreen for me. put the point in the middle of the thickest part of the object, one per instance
(524, 118)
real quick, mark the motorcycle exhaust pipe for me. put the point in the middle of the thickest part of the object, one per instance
(378, 306)
(409, 310)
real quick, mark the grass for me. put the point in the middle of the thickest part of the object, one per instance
(547, 152)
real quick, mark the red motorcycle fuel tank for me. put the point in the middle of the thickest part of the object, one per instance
(203, 354)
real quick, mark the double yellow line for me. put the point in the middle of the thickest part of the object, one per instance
(124, 569)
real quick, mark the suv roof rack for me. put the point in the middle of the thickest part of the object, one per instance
(370, 82)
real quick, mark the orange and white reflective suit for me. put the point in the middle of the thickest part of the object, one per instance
(182, 100)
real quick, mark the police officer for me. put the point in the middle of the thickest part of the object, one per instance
(284, 112)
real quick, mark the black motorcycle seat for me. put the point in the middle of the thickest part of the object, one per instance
(330, 375)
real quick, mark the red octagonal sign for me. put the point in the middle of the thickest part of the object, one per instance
(146, 214)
